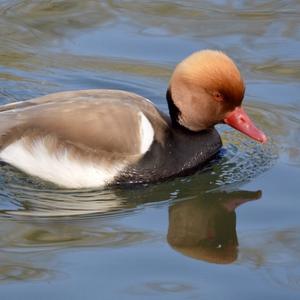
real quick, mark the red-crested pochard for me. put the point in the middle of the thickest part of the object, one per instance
(91, 138)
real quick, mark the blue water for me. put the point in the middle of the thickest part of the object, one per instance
(231, 231)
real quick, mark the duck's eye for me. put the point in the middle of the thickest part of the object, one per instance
(218, 96)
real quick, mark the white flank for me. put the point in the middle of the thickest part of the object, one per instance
(59, 168)
(146, 133)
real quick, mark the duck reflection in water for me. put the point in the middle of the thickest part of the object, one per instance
(205, 228)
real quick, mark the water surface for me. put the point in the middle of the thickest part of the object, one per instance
(230, 231)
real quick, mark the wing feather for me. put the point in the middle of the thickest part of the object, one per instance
(92, 120)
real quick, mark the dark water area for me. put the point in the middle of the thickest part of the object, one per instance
(230, 231)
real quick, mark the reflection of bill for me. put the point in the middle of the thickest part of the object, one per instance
(205, 228)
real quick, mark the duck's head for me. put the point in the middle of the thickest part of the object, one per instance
(206, 89)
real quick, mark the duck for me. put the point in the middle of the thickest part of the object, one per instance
(101, 137)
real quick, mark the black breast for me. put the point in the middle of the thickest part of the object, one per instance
(183, 153)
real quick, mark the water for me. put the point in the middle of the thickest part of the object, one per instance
(231, 231)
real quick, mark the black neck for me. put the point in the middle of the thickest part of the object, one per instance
(173, 110)
(175, 113)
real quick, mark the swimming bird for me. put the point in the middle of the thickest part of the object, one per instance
(92, 138)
